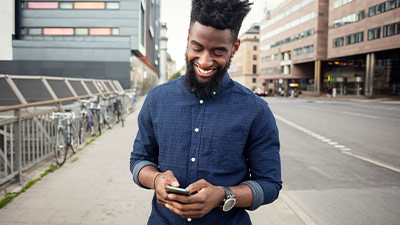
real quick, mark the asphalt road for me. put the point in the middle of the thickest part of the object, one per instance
(341, 159)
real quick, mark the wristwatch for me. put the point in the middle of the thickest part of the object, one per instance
(229, 201)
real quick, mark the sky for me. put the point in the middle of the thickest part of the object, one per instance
(176, 13)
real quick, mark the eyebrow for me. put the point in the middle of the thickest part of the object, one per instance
(216, 48)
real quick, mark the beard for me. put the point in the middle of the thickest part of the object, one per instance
(206, 89)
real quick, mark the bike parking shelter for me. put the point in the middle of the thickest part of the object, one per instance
(26, 104)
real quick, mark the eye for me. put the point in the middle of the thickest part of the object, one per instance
(218, 53)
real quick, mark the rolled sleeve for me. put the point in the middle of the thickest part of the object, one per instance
(258, 194)
(145, 148)
(262, 152)
(136, 169)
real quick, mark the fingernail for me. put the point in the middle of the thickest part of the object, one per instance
(167, 206)
(175, 183)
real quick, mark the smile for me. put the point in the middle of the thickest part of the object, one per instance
(204, 71)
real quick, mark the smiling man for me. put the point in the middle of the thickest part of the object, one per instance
(207, 133)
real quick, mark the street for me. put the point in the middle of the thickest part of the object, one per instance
(341, 159)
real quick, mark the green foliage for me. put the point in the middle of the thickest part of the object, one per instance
(176, 75)
(9, 196)
(74, 159)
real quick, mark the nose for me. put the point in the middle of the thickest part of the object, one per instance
(205, 60)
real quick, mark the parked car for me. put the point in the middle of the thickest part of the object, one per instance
(260, 92)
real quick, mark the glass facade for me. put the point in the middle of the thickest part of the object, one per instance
(98, 5)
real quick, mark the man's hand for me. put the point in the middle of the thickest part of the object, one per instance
(207, 198)
(162, 180)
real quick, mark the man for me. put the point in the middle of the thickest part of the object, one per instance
(207, 133)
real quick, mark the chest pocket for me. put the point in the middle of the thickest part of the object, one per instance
(227, 149)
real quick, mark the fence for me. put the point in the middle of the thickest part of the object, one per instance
(27, 133)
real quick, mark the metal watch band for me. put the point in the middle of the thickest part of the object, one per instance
(228, 193)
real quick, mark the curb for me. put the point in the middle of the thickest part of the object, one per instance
(300, 213)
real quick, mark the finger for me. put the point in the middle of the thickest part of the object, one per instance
(197, 186)
(171, 179)
(187, 210)
(179, 198)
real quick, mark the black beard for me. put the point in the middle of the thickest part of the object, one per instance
(203, 90)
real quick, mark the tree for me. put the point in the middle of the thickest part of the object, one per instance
(176, 75)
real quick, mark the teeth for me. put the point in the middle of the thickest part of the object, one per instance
(205, 71)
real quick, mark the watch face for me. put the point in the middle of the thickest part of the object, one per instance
(228, 205)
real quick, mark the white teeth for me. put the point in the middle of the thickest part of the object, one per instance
(204, 71)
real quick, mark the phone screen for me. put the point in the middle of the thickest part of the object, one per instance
(180, 191)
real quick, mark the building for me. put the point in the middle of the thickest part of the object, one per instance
(244, 65)
(171, 66)
(364, 47)
(293, 40)
(321, 46)
(105, 39)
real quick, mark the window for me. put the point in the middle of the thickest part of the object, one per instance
(89, 5)
(142, 24)
(254, 47)
(81, 31)
(34, 31)
(254, 69)
(391, 29)
(66, 5)
(115, 31)
(374, 33)
(58, 31)
(338, 42)
(355, 38)
(99, 31)
(254, 80)
(349, 19)
(383, 7)
(112, 5)
(42, 5)
(254, 57)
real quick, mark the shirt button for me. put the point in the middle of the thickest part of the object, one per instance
(193, 159)
(201, 101)
(189, 219)
(214, 93)
(196, 130)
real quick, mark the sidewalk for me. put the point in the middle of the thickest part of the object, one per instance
(97, 188)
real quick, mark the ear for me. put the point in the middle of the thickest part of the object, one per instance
(235, 47)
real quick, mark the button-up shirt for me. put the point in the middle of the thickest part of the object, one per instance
(228, 139)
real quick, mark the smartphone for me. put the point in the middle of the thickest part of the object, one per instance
(180, 191)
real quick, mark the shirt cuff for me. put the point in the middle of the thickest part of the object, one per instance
(137, 169)
(258, 194)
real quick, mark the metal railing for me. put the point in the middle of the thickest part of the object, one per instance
(27, 133)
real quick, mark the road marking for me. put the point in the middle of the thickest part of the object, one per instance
(342, 148)
(362, 115)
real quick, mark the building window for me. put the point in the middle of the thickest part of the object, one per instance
(142, 25)
(66, 5)
(81, 31)
(254, 80)
(42, 5)
(355, 17)
(338, 42)
(114, 31)
(374, 33)
(254, 57)
(34, 31)
(391, 29)
(112, 5)
(339, 3)
(254, 69)
(383, 7)
(355, 38)
(99, 31)
(58, 31)
(89, 5)
(255, 48)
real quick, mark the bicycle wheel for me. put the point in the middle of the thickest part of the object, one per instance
(61, 147)
(82, 130)
(74, 138)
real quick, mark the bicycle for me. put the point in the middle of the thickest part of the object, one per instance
(66, 136)
(118, 110)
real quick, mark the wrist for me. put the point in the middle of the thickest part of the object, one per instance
(156, 175)
(221, 196)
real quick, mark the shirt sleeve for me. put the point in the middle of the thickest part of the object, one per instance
(262, 152)
(145, 147)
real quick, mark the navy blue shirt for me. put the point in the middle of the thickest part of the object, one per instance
(228, 139)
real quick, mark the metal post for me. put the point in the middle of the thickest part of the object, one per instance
(18, 137)
(317, 77)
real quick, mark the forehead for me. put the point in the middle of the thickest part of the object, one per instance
(207, 35)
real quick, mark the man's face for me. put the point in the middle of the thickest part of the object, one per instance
(209, 51)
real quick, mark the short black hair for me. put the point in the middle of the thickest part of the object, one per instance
(220, 14)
